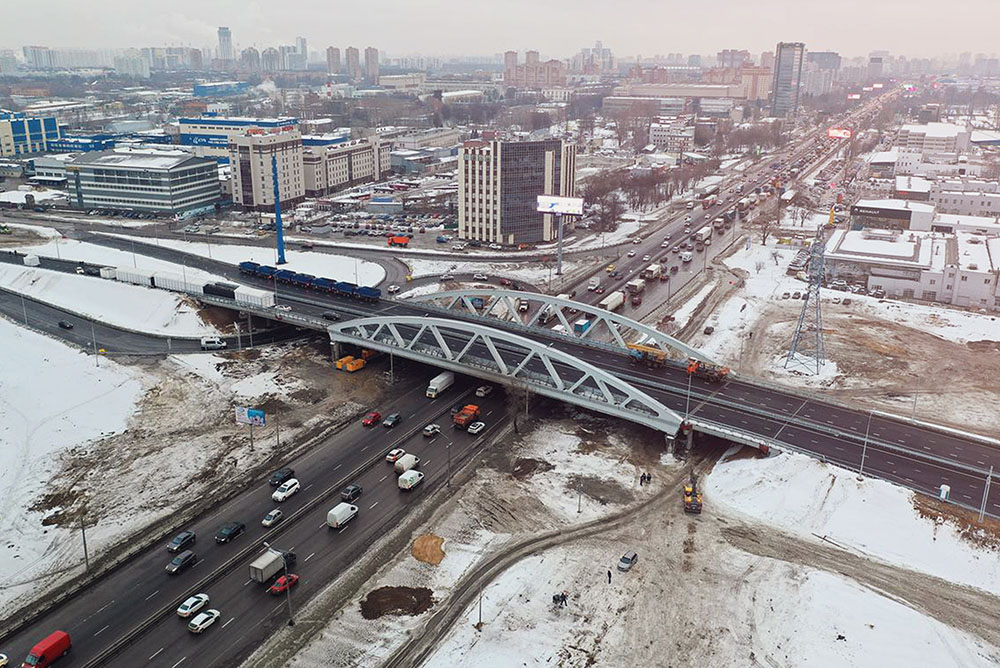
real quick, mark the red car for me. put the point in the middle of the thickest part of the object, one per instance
(599, 290)
(372, 419)
(284, 583)
(505, 281)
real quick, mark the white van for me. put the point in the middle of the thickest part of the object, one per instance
(212, 343)
(410, 479)
(340, 515)
(407, 462)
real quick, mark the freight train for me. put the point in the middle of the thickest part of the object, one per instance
(339, 288)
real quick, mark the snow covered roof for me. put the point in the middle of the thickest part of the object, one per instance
(884, 157)
(912, 184)
(934, 129)
(894, 204)
(915, 250)
(973, 253)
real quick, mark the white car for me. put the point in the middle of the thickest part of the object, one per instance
(637, 240)
(484, 391)
(447, 277)
(476, 427)
(3, 657)
(203, 620)
(393, 289)
(665, 244)
(647, 258)
(480, 277)
(631, 253)
(192, 605)
(432, 429)
(282, 307)
(272, 518)
(687, 218)
(287, 489)
(496, 247)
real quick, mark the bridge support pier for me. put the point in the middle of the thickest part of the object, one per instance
(335, 350)
(689, 440)
(669, 440)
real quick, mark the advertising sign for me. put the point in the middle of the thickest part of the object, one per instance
(854, 96)
(568, 206)
(252, 416)
(839, 133)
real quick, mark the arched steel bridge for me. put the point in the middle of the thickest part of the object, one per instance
(509, 358)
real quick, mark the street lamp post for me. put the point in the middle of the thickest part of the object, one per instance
(864, 449)
(288, 589)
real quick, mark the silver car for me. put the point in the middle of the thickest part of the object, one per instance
(627, 561)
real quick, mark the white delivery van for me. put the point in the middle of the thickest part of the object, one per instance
(594, 283)
(212, 343)
(407, 462)
(410, 479)
(340, 515)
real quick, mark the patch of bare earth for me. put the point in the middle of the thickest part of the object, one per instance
(427, 548)
(985, 534)
(396, 601)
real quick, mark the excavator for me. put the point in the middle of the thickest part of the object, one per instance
(710, 372)
(692, 495)
(654, 358)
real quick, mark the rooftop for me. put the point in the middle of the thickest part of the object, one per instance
(895, 205)
(935, 129)
(912, 184)
(137, 158)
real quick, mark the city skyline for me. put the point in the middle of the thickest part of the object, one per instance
(748, 26)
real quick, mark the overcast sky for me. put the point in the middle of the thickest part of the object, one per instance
(557, 28)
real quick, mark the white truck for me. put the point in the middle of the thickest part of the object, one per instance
(341, 514)
(652, 272)
(269, 564)
(613, 301)
(635, 286)
(687, 256)
(594, 283)
(439, 384)
(703, 235)
(522, 305)
(31, 261)
(409, 480)
(406, 463)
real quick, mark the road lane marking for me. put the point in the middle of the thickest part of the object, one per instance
(153, 594)
(156, 653)
(427, 462)
(337, 466)
(309, 557)
(384, 477)
(307, 488)
(364, 448)
(322, 525)
(247, 582)
(104, 606)
(104, 629)
(229, 622)
(342, 529)
(373, 505)
(179, 662)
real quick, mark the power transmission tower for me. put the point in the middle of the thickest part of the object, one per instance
(807, 345)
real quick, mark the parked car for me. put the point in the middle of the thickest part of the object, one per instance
(192, 605)
(203, 621)
(391, 420)
(287, 490)
(627, 561)
(181, 541)
(476, 427)
(371, 419)
(283, 583)
(280, 476)
(351, 492)
(394, 454)
(229, 531)
(272, 518)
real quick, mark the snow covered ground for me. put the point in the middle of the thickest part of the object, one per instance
(128, 306)
(336, 267)
(37, 229)
(803, 496)
(53, 398)
(535, 274)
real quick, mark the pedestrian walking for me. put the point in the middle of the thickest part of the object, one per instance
(609, 576)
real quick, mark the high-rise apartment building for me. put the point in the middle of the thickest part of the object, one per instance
(533, 73)
(225, 51)
(371, 65)
(250, 59)
(353, 58)
(250, 156)
(824, 60)
(332, 60)
(498, 185)
(732, 58)
(767, 59)
(331, 163)
(270, 60)
(787, 78)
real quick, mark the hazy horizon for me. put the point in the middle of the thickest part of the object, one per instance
(557, 28)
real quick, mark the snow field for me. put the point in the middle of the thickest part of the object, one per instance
(537, 275)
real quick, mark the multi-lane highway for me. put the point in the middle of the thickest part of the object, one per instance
(140, 597)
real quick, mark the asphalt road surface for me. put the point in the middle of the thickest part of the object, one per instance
(108, 611)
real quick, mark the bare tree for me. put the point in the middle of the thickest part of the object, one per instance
(764, 224)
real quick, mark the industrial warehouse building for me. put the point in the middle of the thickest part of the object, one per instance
(170, 182)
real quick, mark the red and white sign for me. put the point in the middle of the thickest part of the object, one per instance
(839, 133)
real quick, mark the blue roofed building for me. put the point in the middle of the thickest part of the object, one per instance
(210, 134)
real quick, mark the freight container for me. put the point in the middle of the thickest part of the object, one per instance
(253, 297)
(108, 272)
(166, 280)
(135, 275)
(31, 261)
(227, 290)
(581, 326)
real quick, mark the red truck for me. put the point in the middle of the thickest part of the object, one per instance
(402, 242)
(466, 416)
(45, 653)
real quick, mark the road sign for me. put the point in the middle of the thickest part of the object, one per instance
(253, 416)
(568, 206)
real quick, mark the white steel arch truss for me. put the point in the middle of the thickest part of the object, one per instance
(504, 305)
(508, 358)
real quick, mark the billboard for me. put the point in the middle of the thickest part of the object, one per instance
(569, 206)
(876, 86)
(854, 96)
(839, 133)
(252, 416)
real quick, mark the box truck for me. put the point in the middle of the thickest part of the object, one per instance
(269, 564)
(439, 384)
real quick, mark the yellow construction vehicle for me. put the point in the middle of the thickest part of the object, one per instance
(692, 495)
(343, 361)
(648, 355)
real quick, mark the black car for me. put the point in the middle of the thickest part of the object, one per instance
(280, 476)
(229, 531)
(350, 492)
(330, 315)
(181, 541)
(391, 420)
(65, 325)
(182, 561)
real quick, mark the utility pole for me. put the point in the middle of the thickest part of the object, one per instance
(239, 339)
(24, 308)
(93, 338)
(250, 328)
(986, 495)
(83, 532)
